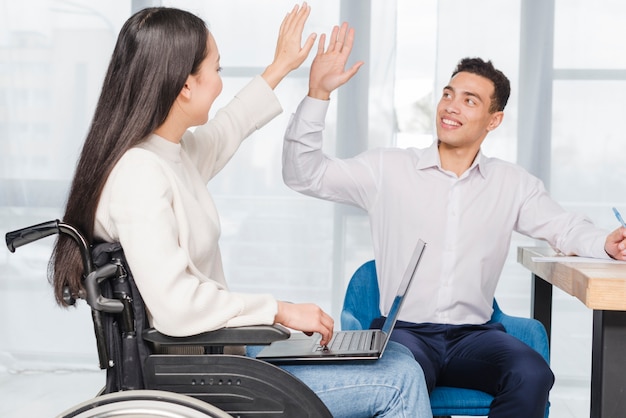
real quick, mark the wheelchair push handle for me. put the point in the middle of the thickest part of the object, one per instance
(15, 239)
(93, 276)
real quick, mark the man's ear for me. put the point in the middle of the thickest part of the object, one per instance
(496, 119)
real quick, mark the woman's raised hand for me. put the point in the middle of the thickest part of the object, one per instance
(290, 53)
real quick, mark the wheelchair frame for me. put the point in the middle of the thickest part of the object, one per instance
(240, 386)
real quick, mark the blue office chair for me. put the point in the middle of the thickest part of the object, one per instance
(362, 305)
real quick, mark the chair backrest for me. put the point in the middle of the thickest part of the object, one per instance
(123, 331)
(361, 304)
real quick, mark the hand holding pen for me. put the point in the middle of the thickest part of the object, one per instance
(615, 244)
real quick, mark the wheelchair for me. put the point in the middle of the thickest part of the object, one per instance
(149, 374)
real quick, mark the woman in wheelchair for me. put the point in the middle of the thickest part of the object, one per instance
(141, 181)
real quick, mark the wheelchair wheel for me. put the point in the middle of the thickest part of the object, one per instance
(144, 404)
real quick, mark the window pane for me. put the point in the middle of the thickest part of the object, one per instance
(246, 31)
(53, 55)
(415, 72)
(588, 171)
(590, 34)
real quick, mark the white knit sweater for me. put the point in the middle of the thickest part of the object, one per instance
(156, 204)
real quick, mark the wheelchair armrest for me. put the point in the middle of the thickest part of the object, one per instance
(250, 335)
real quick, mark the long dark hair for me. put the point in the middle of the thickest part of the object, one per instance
(156, 50)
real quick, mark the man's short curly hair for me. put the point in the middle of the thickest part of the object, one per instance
(502, 87)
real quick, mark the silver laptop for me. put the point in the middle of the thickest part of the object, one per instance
(345, 345)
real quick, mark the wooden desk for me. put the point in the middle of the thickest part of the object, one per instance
(601, 287)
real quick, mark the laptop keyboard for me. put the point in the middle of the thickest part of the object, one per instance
(348, 341)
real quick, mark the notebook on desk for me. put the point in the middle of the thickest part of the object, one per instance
(345, 345)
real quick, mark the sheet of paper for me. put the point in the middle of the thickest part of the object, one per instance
(575, 259)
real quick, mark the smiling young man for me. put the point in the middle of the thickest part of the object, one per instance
(465, 206)
(466, 114)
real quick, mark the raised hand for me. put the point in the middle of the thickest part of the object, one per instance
(290, 54)
(328, 68)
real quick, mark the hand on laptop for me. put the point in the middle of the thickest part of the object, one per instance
(305, 317)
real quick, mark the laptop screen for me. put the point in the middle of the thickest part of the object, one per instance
(404, 285)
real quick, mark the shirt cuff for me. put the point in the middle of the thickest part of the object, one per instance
(311, 109)
(268, 107)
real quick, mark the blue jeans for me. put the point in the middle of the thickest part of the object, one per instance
(391, 387)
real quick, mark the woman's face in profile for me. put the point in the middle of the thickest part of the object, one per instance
(206, 85)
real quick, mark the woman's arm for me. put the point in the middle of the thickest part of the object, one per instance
(211, 146)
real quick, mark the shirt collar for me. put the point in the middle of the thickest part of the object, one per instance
(430, 158)
(481, 163)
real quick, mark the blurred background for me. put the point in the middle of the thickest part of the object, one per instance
(567, 66)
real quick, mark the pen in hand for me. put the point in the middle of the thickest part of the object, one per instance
(619, 217)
